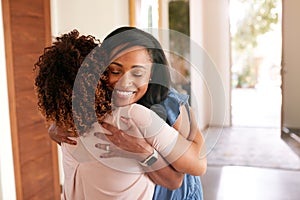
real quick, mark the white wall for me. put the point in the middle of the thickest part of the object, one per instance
(7, 180)
(291, 60)
(95, 17)
(210, 30)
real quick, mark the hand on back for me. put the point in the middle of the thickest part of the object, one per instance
(59, 135)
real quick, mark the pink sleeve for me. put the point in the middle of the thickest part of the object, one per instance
(156, 131)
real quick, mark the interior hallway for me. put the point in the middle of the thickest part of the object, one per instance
(250, 183)
(250, 161)
(263, 179)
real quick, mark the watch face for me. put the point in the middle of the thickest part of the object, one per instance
(151, 161)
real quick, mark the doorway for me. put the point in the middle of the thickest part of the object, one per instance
(255, 140)
(256, 62)
(258, 106)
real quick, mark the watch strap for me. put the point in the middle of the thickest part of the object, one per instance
(150, 160)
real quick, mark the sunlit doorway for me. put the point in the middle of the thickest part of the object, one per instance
(256, 62)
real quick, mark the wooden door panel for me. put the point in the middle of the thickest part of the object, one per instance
(39, 178)
(27, 31)
(27, 101)
(40, 144)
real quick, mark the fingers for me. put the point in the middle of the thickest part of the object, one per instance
(101, 136)
(132, 127)
(112, 139)
(68, 141)
(109, 155)
(52, 128)
(105, 147)
(63, 133)
(129, 122)
(110, 127)
(58, 135)
(110, 151)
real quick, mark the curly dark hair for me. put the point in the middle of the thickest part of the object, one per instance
(56, 72)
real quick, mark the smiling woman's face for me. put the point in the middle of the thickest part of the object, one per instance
(129, 75)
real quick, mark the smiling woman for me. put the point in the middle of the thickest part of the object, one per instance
(129, 75)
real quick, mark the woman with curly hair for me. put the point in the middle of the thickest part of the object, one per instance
(130, 53)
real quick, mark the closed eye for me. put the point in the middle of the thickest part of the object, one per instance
(138, 74)
(115, 72)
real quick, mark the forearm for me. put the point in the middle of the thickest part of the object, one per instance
(163, 174)
(184, 155)
(189, 156)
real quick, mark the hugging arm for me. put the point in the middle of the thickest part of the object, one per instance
(193, 159)
(126, 145)
(187, 156)
(165, 176)
(184, 151)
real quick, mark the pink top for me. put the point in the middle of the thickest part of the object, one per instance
(87, 176)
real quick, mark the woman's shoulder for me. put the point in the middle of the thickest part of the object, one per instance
(174, 95)
(172, 104)
(138, 113)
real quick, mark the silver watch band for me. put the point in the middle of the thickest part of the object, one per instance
(150, 160)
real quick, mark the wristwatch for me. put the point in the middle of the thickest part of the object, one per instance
(150, 160)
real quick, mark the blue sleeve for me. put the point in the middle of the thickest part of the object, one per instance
(172, 105)
(191, 188)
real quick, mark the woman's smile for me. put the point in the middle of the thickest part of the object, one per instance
(123, 94)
